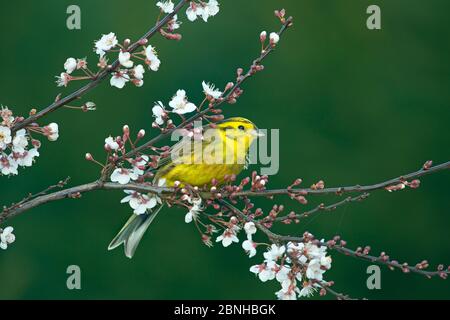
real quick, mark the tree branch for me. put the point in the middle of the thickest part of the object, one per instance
(341, 190)
(148, 188)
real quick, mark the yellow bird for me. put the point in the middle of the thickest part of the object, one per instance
(221, 152)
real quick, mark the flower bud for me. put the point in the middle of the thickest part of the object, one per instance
(274, 38)
(229, 86)
(263, 36)
(141, 133)
(143, 42)
(89, 106)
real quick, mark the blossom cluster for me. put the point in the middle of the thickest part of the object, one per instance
(294, 263)
(19, 149)
(128, 69)
(181, 105)
(298, 267)
(196, 9)
(6, 237)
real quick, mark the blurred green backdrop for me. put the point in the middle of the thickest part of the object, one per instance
(353, 106)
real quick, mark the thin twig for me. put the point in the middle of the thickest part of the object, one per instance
(339, 296)
(321, 208)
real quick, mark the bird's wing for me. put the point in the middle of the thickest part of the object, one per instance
(182, 149)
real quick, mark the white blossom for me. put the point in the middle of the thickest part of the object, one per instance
(124, 59)
(111, 143)
(174, 24)
(193, 11)
(138, 72)
(70, 65)
(314, 271)
(158, 113)
(8, 165)
(250, 228)
(7, 237)
(326, 262)
(52, 131)
(250, 247)
(204, 10)
(27, 157)
(6, 117)
(283, 273)
(307, 291)
(123, 176)
(211, 91)
(20, 141)
(210, 9)
(180, 103)
(288, 290)
(228, 236)
(265, 271)
(140, 203)
(194, 211)
(63, 80)
(5, 137)
(119, 79)
(106, 43)
(274, 253)
(152, 58)
(166, 6)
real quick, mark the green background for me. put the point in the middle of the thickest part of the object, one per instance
(352, 105)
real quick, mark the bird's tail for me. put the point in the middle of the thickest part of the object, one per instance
(131, 233)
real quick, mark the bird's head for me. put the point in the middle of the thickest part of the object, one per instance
(238, 128)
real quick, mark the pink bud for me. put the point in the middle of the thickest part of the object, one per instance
(229, 86)
(141, 133)
(143, 42)
(263, 36)
(427, 165)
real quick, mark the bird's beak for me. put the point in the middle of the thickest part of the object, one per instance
(257, 133)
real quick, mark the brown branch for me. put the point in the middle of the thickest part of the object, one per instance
(148, 188)
(28, 198)
(100, 77)
(341, 190)
(75, 192)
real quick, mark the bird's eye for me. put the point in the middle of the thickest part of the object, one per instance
(242, 128)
